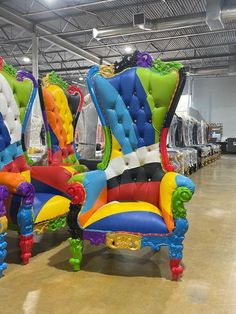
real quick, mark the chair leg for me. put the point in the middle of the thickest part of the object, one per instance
(76, 248)
(176, 247)
(176, 268)
(25, 223)
(75, 241)
(3, 252)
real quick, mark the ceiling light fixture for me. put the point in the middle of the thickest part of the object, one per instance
(81, 78)
(128, 49)
(26, 59)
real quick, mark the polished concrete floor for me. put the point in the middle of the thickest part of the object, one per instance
(137, 282)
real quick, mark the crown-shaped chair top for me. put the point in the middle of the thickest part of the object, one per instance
(136, 100)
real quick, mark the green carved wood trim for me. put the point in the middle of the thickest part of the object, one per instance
(179, 197)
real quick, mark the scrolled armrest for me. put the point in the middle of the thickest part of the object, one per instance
(3, 219)
(91, 189)
(180, 196)
(16, 183)
(175, 190)
(77, 193)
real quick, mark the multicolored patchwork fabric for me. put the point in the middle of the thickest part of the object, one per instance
(51, 198)
(61, 105)
(135, 107)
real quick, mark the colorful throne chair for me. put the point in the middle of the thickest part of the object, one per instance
(134, 200)
(61, 106)
(39, 199)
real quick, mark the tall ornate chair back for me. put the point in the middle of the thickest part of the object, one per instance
(60, 117)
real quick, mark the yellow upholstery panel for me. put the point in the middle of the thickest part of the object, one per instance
(167, 187)
(56, 206)
(121, 207)
(64, 110)
(116, 148)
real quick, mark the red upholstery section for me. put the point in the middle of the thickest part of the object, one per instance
(140, 191)
(17, 165)
(56, 177)
(59, 156)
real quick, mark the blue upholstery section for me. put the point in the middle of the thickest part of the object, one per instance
(134, 221)
(134, 96)
(184, 181)
(119, 118)
(39, 201)
(10, 153)
(94, 183)
(54, 141)
(42, 187)
(5, 138)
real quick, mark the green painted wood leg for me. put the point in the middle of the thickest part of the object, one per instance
(76, 248)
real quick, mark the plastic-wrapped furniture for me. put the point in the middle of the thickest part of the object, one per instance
(131, 203)
(28, 210)
(61, 105)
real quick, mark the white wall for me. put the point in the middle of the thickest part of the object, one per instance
(215, 99)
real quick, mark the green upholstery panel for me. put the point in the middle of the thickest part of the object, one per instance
(21, 91)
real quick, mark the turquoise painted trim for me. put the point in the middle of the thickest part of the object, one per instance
(92, 72)
(185, 182)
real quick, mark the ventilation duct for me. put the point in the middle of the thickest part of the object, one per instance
(214, 18)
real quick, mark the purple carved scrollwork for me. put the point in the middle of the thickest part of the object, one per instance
(21, 75)
(3, 197)
(27, 191)
(95, 238)
(144, 59)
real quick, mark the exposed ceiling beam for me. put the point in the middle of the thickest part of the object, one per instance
(15, 19)
(83, 7)
(181, 49)
(67, 70)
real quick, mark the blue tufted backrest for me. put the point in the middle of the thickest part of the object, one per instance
(133, 107)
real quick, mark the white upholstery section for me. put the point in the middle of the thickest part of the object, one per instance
(9, 110)
(142, 156)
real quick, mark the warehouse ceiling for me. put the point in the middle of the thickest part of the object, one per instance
(73, 35)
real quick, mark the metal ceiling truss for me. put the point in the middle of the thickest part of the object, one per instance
(70, 50)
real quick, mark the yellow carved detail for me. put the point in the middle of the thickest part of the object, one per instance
(40, 228)
(3, 224)
(107, 70)
(123, 241)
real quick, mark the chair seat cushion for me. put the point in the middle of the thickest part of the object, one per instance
(140, 217)
(49, 206)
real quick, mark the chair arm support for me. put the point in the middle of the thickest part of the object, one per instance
(3, 218)
(90, 189)
(16, 183)
(179, 197)
(175, 189)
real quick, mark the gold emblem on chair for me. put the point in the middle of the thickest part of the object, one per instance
(123, 241)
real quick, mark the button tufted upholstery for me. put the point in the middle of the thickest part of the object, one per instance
(10, 131)
(133, 105)
(21, 92)
(60, 121)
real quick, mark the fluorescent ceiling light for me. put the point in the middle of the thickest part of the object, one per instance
(26, 59)
(95, 33)
(128, 49)
(81, 78)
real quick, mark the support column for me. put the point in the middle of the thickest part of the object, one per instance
(35, 56)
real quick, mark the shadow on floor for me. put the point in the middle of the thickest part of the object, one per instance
(143, 263)
(48, 241)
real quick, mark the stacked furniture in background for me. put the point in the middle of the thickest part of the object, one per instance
(190, 137)
(39, 199)
(135, 199)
